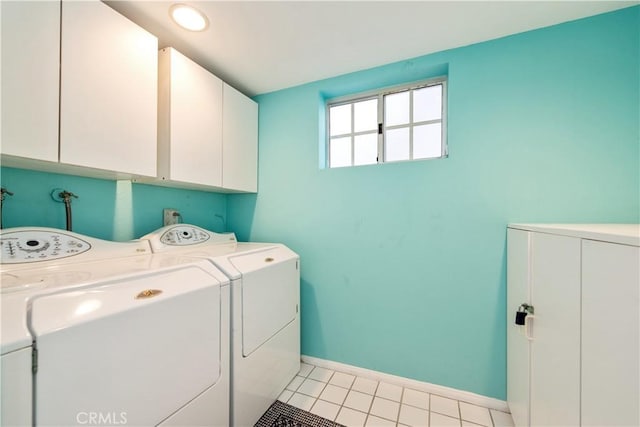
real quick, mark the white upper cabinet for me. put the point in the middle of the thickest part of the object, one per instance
(207, 130)
(30, 73)
(108, 93)
(189, 122)
(240, 141)
(79, 90)
(85, 92)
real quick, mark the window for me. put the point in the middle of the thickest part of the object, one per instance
(403, 123)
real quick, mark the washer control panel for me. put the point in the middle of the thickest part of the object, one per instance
(34, 246)
(184, 235)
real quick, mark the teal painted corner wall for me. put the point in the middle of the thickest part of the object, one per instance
(403, 265)
(94, 212)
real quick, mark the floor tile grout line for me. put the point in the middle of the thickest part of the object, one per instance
(371, 404)
(323, 388)
(399, 406)
(429, 416)
(345, 399)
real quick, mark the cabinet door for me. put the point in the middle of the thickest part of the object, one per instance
(555, 349)
(610, 334)
(240, 141)
(108, 101)
(190, 137)
(30, 70)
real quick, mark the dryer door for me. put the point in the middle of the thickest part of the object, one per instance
(270, 294)
(120, 354)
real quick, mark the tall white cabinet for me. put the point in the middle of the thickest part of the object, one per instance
(576, 359)
(79, 89)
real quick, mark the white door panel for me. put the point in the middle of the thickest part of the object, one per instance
(555, 349)
(610, 334)
(30, 76)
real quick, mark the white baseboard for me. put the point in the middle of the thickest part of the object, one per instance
(452, 393)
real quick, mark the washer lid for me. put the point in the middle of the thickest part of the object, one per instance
(24, 284)
(19, 285)
(252, 255)
(142, 347)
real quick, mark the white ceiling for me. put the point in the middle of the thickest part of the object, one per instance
(263, 46)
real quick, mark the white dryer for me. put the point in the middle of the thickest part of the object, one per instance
(104, 333)
(265, 318)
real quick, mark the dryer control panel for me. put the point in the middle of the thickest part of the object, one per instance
(32, 246)
(183, 235)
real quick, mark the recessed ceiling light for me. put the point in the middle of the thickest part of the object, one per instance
(188, 17)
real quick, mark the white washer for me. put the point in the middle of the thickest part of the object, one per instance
(104, 333)
(265, 319)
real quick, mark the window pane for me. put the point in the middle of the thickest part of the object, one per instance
(396, 109)
(340, 120)
(365, 149)
(340, 152)
(397, 145)
(427, 103)
(365, 115)
(427, 141)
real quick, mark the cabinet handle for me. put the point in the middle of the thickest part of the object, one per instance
(526, 326)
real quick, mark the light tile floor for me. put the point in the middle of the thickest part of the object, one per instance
(363, 402)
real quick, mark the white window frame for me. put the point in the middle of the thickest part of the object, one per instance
(380, 94)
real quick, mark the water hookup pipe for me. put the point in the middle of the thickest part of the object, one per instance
(3, 192)
(64, 196)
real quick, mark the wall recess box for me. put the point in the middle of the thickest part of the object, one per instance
(170, 216)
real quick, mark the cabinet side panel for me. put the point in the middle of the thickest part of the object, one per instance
(109, 92)
(164, 111)
(517, 344)
(240, 141)
(555, 349)
(30, 71)
(610, 334)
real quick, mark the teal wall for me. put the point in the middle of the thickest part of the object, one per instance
(403, 265)
(96, 213)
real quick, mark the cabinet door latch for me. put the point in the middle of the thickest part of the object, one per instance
(524, 310)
